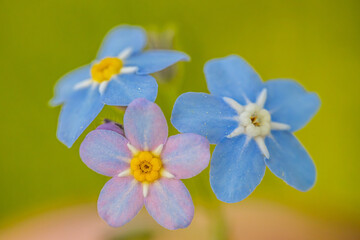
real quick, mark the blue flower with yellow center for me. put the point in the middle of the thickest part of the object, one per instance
(252, 123)
(119, 75)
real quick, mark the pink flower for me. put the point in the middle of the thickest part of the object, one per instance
(145, 166)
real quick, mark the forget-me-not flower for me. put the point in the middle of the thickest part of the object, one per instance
(252, 123)
(119, 75)
(146, 167)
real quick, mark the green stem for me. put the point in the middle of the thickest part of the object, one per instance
(218, 222)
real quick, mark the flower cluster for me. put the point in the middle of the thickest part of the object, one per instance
(250, 121)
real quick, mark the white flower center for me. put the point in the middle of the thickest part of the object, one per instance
(254, 121)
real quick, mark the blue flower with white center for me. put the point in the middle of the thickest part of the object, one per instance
(252, 123)
(119, 75)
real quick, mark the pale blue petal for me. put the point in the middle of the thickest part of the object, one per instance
(203, 114)
(236, 168)
(290, 161)
(64, 88)
(77, 113)
(290, 103)
(121, 38)
(125, 88)
(155, 60)
(233, 77)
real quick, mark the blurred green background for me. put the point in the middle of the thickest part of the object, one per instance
(315, 42)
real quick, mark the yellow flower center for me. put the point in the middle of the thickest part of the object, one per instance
(106, 68)
(145, 167)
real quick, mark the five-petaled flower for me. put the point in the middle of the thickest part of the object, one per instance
(119, 75)
(252, 123)
(145, 167)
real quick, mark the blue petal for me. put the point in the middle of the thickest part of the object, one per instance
(290, 103)
(64, 87)
(237, 167)
(125, 88)
(120, 38)
(155, 60)
(203, 114)
(77, 113)
(233, 77)
(290, 161)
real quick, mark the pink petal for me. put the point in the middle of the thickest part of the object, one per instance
(170, 204)
(112, 126)
(120, 200)
(186, 155)
(105, 152)
(145, 125)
